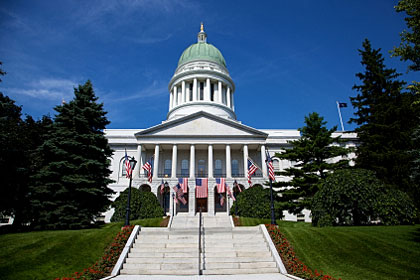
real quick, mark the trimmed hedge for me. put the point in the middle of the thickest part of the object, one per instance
(143, 205)
(255, 203)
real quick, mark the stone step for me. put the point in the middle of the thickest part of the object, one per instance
(163, 250)
(234, 271)
(255, 249)
(163, 254)
(163, 266)
(162, 260)
(238, 254)
(237, 259)
(158, 272)
(234, 244)
(224, 265)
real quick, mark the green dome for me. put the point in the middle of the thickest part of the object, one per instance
(202, 51)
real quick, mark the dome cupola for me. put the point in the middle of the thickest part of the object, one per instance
(201, 82)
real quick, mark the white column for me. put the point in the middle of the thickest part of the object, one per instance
(174, 160)
(219, 92)
(139, 163)
(171, 201)
(210, 199)
(192, 161)
(183, 92)
(195, 89)
(175, 96)
(191, 201)
(207, 90)
(233, 103)
(187, 92)
(228, 162)
(170, 100)
(228, 97)
(210, 161)
(156, 162)
(246, 160)
(263, 163)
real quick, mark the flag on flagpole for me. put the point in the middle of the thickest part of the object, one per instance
(251, 170)
(162, 187)
(230, 193)
(222, 199)
(235, 184)
(127, 166)
(221, 185)
(183, 182)
(201, 188)
(270, 167)
(148, 166)
(179, 194)
(342, 105)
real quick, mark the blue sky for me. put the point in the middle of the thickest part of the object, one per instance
(287, 58)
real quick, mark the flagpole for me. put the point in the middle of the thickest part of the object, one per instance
(339, 114)
(273, 217)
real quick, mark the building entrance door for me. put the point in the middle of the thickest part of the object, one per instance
(201, 203)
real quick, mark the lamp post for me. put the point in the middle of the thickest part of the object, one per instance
(164, 198)
(127, 213)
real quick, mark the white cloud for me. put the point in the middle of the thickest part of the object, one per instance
(156, 89)
(50, 89)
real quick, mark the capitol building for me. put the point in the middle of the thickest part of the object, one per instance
(200, 138)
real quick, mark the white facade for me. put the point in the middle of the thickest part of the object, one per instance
(200, 138)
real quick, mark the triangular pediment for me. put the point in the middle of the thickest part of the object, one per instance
(202, 124)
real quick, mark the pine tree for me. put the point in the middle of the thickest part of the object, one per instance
(313, 156)
(71, 187)
(386, 120)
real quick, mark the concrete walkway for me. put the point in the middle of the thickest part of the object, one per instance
(276, 276)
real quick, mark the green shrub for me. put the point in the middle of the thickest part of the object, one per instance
(356, 197)
(143, 205)
(255, 203)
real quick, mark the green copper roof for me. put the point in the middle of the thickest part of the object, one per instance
(202, 51)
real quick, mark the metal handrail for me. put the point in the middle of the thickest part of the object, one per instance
(200, 271)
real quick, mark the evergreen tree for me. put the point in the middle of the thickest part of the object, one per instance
(71, 187)
(386, 119)
(409, 49)
(313, 156)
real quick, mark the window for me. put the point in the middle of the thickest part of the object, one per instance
(201, 168)
(191, 92)
(212, 92)
(217, 168)
(124, 172)
(224, 95)
(168, 167)
(235, 168)
(185, 172)
(276, 164)
(201, 91)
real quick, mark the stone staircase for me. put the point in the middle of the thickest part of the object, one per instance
(174, 251)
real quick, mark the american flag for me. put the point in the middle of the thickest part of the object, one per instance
(221, 185)
(162, 187)
(230, 193)
(179, 194)
(127, 166)
(148, 166)
(222, 199)
(235, 184)
(342, 105)
(201, 188)
(183, 182)
(270, 167)
(251, 170)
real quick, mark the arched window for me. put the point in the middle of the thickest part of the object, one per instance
(123, 171)
(218, 168)
(212, 92)
(276, 164)
(235, 168)
(201, 168)
(185, 171)
(201, 91)
(168, 167)
(224, 95)
(191, 92)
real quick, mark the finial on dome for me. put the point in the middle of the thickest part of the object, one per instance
(202, 36)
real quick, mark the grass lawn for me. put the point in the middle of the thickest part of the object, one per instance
(367, 252)
(50, 254)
